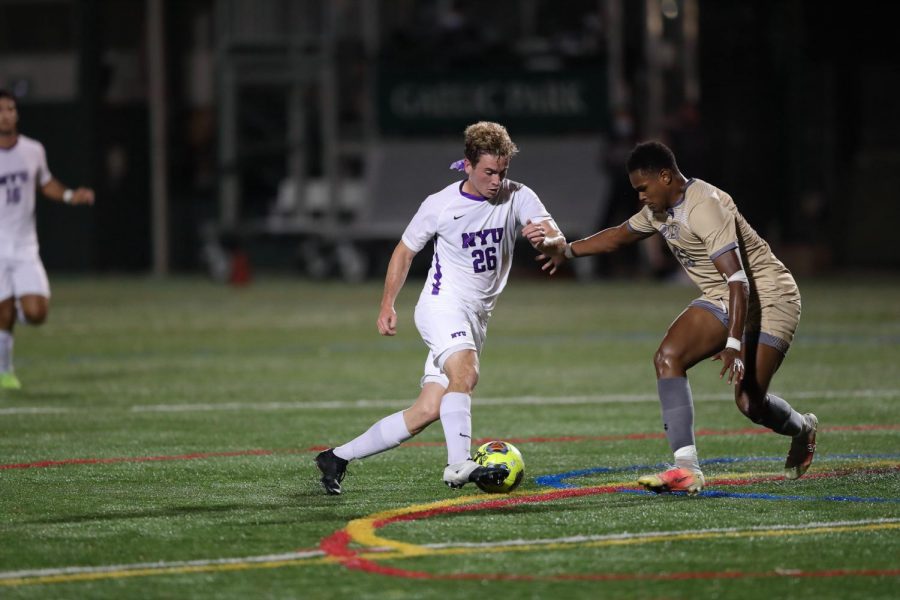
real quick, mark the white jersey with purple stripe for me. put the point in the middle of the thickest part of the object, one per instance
(474, 239)
(22, 168)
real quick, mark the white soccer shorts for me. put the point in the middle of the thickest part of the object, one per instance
(447, 329)
(23, 277)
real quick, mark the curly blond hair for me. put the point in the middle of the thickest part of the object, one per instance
(486, 137)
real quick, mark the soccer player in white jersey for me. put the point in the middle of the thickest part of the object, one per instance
(746, 317)
(24, 289)
(473, 225)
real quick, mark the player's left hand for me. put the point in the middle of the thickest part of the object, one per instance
(731, 364)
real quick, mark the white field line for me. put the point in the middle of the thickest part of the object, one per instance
(34, 410)
(510, 401)
(580, 539)
(497, 544)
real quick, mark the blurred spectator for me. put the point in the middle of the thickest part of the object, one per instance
(684, 133)
(622, 201)
(445, 34)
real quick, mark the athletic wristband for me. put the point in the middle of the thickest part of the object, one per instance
(734, 344)
(567, 252)
(67, 196)
(740, 276)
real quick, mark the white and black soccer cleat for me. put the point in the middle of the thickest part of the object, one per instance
(469, 471)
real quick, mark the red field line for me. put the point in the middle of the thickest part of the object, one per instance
(637, 436)
(337, 545)
(121, 459)
(524, 440)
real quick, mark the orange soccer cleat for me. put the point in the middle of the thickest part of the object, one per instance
(803, 448)
(677, 479)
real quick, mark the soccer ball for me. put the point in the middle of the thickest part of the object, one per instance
(501, 453)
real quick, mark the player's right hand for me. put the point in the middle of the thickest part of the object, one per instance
(732, 366)
(387, 321)
(83, 195)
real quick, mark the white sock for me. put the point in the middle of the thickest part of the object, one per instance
(6, 351)
(686, 458)
(387, 433)
(456, 419)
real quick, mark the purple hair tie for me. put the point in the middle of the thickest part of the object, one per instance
(458, 165)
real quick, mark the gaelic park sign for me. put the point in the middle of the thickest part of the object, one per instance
(428, 103)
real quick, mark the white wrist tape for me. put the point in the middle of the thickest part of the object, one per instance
(567, 252)
(738, 276)
(734, 344)
(553, 241)
(67, 196)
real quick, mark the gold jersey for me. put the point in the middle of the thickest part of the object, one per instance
(706, 224)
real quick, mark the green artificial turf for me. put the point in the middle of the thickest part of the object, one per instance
(167, 425)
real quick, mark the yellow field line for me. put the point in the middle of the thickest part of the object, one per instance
(627, 541)
(362, 531)
(422, 551)
(187, 569)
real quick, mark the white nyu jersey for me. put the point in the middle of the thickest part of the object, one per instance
(22, 168)
(474, 239)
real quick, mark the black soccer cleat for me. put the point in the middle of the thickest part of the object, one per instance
(333, 469)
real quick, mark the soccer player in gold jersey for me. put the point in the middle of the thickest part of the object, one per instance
(746, 316)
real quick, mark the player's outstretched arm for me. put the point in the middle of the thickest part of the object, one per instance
(729, 265)
(603, 242)
(398, 269)
(57, 191)
(608, 240)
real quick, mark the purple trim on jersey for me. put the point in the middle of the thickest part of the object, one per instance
(774, 341)
(723, 250)
(715, 309)
(436, 286)
(671, 211)
(458, 165)
(642, 233)
(469, 196)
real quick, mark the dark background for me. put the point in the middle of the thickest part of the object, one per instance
(797, 118)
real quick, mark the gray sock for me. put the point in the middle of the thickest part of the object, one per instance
(677, 411)
(778, 416)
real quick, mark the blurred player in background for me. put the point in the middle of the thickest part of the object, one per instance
(24, 289)
(473, 224)
(746, 317)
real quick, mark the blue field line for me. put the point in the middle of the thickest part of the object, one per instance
(558, 480)
(758, 496)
